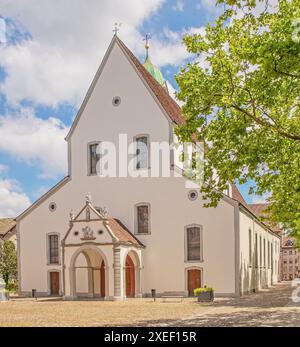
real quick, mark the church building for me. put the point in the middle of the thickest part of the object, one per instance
(119, 236)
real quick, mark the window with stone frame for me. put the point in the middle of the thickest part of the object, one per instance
(53, 249)
(94, 158)
(143, 219)
(193, 243)
(142, 152)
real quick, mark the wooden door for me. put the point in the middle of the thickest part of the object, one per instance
(130, 277)
(102, 279)
(54, 283)
(194, 281)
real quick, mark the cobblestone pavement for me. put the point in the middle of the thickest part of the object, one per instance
(270, 308)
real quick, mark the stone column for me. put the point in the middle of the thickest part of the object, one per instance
(90, 282)
(139, 280)
(117, 275)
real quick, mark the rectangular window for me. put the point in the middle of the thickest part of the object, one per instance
(250, 247)
(260, 252)
(193, 239)
(94, 158)
(269, 262)
(53, 249)
(264, 252)
(256, 251)
(142, 153)
(143, 219)
(272, 256)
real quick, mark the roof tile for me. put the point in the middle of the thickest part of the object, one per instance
(167, 102)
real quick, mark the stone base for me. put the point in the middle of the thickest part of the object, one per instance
(118, 298)
(69, 298)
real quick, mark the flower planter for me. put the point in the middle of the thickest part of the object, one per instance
(206, 296)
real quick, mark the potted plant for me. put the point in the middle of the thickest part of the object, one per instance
(204, 294)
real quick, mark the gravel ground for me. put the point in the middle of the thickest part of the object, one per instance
(273, 307)
(51, 312)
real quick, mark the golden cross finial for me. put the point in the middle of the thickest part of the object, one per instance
(117, 28)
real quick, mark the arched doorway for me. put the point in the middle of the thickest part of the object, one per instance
(193, 280)
(130, 277)
(89, 275)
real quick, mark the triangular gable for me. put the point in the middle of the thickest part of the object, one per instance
(166, 103)
(93, 225)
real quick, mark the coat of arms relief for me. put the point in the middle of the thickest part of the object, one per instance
(88, 234)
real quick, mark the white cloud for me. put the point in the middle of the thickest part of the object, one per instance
(168, 48)
(172, 92)
(68, 41)
(261, 199)
(179, 6)
(3, 168)
(209, 6)
(12, 200)
(32, 140)
(260, 8)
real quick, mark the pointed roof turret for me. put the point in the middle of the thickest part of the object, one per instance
(151, 68)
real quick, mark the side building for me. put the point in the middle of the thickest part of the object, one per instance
(290, 257)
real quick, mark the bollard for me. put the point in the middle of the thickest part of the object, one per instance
(33, 293)
(153, 293)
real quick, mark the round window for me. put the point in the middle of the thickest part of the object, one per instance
(52, 206)
(193, 195)
(116, 101)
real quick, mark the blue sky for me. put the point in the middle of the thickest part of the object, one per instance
(47, 63)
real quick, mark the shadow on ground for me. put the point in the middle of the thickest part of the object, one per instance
(238, 319)
(273, 307)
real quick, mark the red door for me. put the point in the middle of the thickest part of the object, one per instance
(54, 283)
(102, 279)
(130, 277)
(194, 281)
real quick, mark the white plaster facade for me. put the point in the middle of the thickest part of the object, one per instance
(161, 262)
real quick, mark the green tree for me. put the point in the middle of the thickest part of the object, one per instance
(8, 263)
(244, 102)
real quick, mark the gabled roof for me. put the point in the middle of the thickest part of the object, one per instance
(288, 242)
(260, 210)
(6, 225)
(168, 104)
(121, 232)
(116, 229)
(236, 195)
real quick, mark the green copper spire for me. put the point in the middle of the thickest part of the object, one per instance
(152, 69)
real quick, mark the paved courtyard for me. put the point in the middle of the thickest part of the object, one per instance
(270, 308)
(273, 307)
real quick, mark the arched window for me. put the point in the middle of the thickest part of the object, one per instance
(194, 247)
(142, 152)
